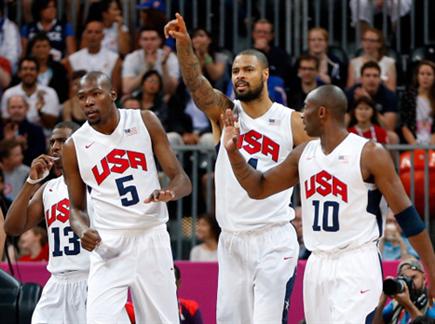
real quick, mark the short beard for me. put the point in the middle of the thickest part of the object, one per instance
(250, 95)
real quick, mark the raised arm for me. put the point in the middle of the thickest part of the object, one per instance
(377, 164)
(209, 100)
(179, 185)
(27, 209)
(259, 185)
(79, 218)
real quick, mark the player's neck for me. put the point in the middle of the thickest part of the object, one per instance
(107, 127)
(257, 107)
(331, 138)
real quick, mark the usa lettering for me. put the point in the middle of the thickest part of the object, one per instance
(59, 211)
(118, 161)
(254, 142)
(325, 184)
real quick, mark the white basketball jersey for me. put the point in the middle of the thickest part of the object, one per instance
(339, 209)
(264, 142)
(121, 172)
(66, 253)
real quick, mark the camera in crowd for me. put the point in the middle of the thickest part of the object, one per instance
(394, 286)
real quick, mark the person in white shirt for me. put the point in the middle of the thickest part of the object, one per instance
(44, 107)
(207, 231)
(10, 43)
(94, 57)
(150, 57)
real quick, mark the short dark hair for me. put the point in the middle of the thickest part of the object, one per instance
(39, 37)
(370, 65)
(38, 6)
(28, 58)
(369, 102)
(67, 124)
(6, 146)
(308, 57)
(259, 55)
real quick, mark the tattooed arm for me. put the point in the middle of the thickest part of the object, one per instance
(211, 101)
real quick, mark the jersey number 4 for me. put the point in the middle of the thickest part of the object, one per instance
(329, 218)
(73, 246)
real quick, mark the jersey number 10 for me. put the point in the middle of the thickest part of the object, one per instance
(327, 224)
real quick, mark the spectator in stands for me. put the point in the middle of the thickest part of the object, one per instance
(391, 245)
(307, 80)
(33, 245)
(14, 171)
(417, 108)
(385, 100)
(331, 69)
(4, 201)
(5, 74)
(213, 63)
(44, 108)
(151, 95)
(373, 49)
(116, 33)
(51, 73)
(411, 303)
(94, 57)
(279, 60)
(364, 121)
(17, 127)
(207, 231)
(71, 107)
(60, 33)
(10, 45)
(297, 223)
(150, 56)
(130, 102)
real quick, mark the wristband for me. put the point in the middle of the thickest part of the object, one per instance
(31, 181)
(410, 221)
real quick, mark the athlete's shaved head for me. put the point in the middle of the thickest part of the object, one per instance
(331, 97)
(259, 55)
(99, 78)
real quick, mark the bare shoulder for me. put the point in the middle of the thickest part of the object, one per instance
(375, 159)
(150, 120)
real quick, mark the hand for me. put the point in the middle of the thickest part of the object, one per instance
(403, 298)
(160, 196)
(40, 103)
(360, 92)
(231, 130)
(176, 28)
(10, 130)
(89, 239)
(190, 138)
(41, 166)
(120, 20)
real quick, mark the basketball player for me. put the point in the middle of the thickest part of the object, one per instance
(113, 155)
(342, 177)
(63, 299)
(258, 249)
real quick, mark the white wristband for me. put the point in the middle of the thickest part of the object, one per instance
(31, 181)
(44, 175)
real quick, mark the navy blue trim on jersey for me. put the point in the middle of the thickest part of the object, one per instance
(370, 316)
(410, 221)
(373, 200)
(288, 291)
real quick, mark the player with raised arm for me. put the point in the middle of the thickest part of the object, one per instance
(342, 177)
(258, 248)
(63, 299)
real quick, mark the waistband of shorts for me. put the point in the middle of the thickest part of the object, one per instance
(258, 231)
(71, 275)
(133, 232)
(339, 252)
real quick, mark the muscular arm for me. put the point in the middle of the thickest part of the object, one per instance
(79, 217)
(26, 211)
(376, 162)
(179, 182)
(209, 100)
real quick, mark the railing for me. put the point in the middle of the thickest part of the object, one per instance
(421, 165)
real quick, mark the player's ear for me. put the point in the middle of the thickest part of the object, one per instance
(113, 94)
(322, 111)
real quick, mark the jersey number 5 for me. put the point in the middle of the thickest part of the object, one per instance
(329, 208)
(124, 190)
